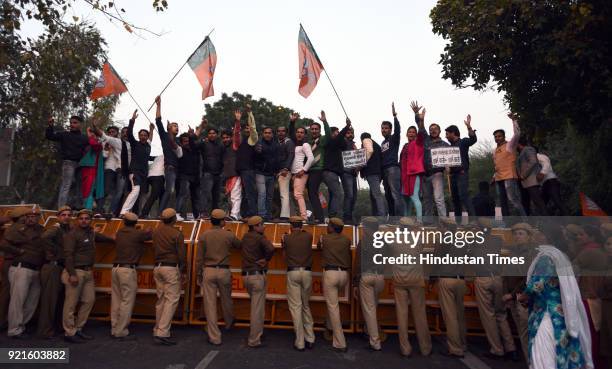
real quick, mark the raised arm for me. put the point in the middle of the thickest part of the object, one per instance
(516, 133)
(236, 132)
(471, 133)
(253, 136)
(292, 120)
(397, 129)
(326, 129)
(131, 137)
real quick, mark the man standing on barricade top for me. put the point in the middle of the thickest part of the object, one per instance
(266, 168)
(257, 251)
(213, 274)
(168, 273)
(459, 177)
(78, 279)
(390, 167)
(130, 246)
(245, 165)
(297, 247)
(285, 159)
(336, 261)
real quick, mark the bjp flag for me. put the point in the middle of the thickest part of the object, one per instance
(310, 65)
(108, 84)
(589, 207)
(203, 62)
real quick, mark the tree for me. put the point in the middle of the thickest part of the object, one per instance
(553, 62)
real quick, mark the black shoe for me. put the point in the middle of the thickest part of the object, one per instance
(84, 336)
(309, 345)
(406, 356)
(372, 348)
(450, 354)
(340, 349)
(513, 355)
(298, 349)
(492, 356)
(72, 339)
(21, 336)
(129, 337)
(257, 346)
(164, 341)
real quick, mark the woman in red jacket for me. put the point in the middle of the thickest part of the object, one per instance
(412, 170)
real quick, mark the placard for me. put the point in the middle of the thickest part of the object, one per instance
(445, 157)
(354, 158)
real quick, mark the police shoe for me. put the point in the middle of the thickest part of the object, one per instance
(129, 337)
(513, 355)
(298, 349)
(84, 336)
(340, 349)
(163, 341)
(21, 336)
(309, 345)
(72, 339)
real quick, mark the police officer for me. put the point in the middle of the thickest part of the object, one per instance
(80, 257)
(368, 281)
(297, 247)
(213, 273)
(169, 271)
(52, 289)
(257, 250)
(15, 216)
(24, 242)
(336, 258)
(409, 289)
(130, 245)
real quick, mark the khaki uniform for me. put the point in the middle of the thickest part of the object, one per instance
(52, 288)
(169, 245)
(298, 254)
(124, 278)
(491, 309)
(336, 257)
(256, 246)
(409, 290)
(214, 275)
(80, 256)
(24, 274)
(5, 286)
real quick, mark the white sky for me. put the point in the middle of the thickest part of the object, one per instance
(375, 51)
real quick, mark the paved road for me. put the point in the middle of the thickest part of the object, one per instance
(192, 352)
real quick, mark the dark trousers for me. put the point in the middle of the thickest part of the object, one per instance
(188, 186)
(211, 190)
(250, 193)
(170, 173)
(349, 186)
(156, 192)
(460, 194)
(51, 300)
(551, 192)
(332, 181)
(533, 195)
(315, 178)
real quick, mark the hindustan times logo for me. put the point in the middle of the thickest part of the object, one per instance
(428, 237)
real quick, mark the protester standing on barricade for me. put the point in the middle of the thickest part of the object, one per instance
(433, 179)
(211, 149)
(302, 162)
(245, 163)
(285, 160)
(233, 183)
(171, 154)
(528, 168)
(459, 177)
(188, 181)
(412, 164)
(114, 182)
(333, 168)
(391, 173)
(372, 174)
(267, 151)
(550, 185)
(349, 182)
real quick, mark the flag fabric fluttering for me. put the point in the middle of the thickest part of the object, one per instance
(108, 84)
(310, 66)
(589, 207)
(203, 62)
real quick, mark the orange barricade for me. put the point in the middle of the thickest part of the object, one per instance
(144, 308)
(277, 310)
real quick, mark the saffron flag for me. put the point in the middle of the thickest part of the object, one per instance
(108, 84)
(589, 207)
(310, 65)
(203, 62)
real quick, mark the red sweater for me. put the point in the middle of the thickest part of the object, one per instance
(411, 161)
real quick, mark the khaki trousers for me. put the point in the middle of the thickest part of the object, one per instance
(493, 314)
(123, 295)
(450, 294)
(415, 297)
(370, 287)
(168, 286)
(299, 287)
(333, 282)
(85, 293)
(5, 291)
(520, 315)
(51, 300)
(25, 291)
(217, 279)
(256, 286)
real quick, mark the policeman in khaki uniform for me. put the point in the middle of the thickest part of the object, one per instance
(24, 242)
(213, 273)
(257, 250)
(130, 246)
(489, 289)
(409, 289)
(52, 289)
(15, 216)
(169, 246)
(297, 247)
(336, 258)
(368, 281)
(80, 256)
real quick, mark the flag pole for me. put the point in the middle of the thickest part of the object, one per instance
(138, 105)
(182, 66)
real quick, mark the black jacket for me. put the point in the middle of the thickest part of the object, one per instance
(333, 152)
(170, 157)
(286, 154)
(189, 163)
(72, 144)
(374, 165)
(212, 157)
(139, 165)
(245, 156)
(266, 159)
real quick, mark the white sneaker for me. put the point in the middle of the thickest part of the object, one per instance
(179, 218)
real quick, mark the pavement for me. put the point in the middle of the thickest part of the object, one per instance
(193, 351)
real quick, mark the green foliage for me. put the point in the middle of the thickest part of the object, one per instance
(553, 62)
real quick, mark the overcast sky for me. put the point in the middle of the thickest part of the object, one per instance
(376, 52)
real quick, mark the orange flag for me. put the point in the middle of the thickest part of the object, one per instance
(310, 65)
(108, 84)
(203, 62)
(589, 207)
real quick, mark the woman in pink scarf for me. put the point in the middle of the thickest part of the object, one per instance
(412, 165)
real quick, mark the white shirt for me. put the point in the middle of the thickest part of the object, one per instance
(156, 167)
(301, 153)
(547, 169)
(113, 156)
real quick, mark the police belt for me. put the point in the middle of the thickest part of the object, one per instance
(332, 267)
(57, 263)
(121, 265)
(164, 264)
(254, 272)
(23, 264)
(217, 266)
(84, 267)
(291, 269)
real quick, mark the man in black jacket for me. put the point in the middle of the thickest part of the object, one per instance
(333, 168)
(245, 161)
(286, 155)
(266, 167)
(171, 154)
(72, 146)
(349, 182)
(211, 150)
(188, 175)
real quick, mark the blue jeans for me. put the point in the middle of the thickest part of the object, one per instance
(170, 186)
(265, 193)
(460, 193)
(414, 200)
(509, 195)
(188, 185)
(349, 186)
(332, 181)
(392, 182)
(379, 204)
(69, 169)
(114, 184)
(250, 192)
(433, 193)
(211, 187)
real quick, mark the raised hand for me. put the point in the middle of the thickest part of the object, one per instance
(151, 127)
(190, 130)
(135, 114)
(348, 122)
(393, 109)
(323, 118)
(415, 106)
(158, 100)
(51, 121)
(294, 116)
(204, 121)
(468, 121)
(237, 114)
(421, 115)
(512, 116)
